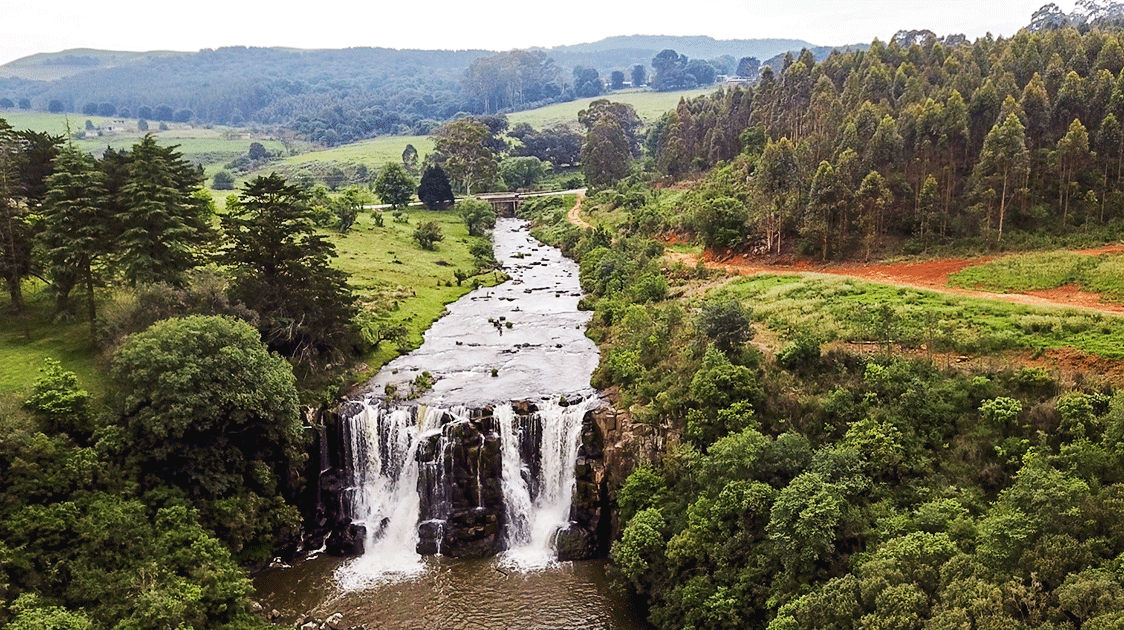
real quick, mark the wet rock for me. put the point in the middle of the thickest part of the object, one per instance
(430, 535)
(335, 622)
(472, 534)
(347, 539)
(311, 625)
(576, 543)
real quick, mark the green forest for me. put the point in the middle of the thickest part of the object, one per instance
(812, 452)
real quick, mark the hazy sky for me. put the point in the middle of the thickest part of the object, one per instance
(28, 27)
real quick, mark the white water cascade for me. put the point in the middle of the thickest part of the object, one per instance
(384, 496)
(401, 459)
(538, 506)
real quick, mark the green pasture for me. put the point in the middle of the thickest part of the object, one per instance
(374, 152)
(388, 268)
(1102, 274)
(832, 308)
(649, 106)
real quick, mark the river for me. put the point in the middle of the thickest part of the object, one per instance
(521, 340)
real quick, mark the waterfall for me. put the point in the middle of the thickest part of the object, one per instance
(384, 497)
(538, 502)
(423, 482)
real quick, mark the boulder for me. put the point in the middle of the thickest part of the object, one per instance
(575, 543)
(346, 539)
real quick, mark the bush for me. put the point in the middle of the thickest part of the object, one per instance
(802, 353)
(428, 235)
(58, 403)
(222, 181)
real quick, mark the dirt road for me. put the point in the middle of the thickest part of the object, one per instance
(574, 216)
(928, 276)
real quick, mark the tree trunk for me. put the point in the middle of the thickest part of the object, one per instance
(1002, 206)
(91, 306)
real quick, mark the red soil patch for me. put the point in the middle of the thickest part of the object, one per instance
(929, 276)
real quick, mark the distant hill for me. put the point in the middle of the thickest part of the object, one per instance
(53, 66)
(329, 96)
(695, 47)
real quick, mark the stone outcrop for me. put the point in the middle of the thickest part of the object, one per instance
(462, 510)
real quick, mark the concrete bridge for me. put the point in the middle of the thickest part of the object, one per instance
(504, 204)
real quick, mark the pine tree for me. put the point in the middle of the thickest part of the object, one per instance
(435, 191)
(15, 231)
(77, 232)
(284, 273)
(163, 228)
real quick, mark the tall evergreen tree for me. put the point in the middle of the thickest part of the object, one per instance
(164, 228)
(605, 154)
(1002, 161)
(283, 272)
(435, 191)
(15, 230)
(77, 232)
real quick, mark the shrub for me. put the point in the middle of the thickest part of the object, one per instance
(428, 235)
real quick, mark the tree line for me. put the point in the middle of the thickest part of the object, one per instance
(920, 145)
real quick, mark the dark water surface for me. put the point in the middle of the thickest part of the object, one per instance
(457, 595)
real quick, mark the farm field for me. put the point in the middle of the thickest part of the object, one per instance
(649, 106)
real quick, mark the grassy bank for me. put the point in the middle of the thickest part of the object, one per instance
(1102, 274)
(830, 308)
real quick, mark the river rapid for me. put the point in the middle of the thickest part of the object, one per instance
(521, 340)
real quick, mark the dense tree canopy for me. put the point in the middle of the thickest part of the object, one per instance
(211, 412)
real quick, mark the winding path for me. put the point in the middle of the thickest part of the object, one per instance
(574, 215)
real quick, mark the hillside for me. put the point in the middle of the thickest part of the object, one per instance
(54, 66)
(337, 96)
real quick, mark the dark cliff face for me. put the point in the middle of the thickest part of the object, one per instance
(460, 488)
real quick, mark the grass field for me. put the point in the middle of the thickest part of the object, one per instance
(649, 106)
(209, 147)
(832, 308)
(385, 263)
(374, 152)
(1102, 274)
